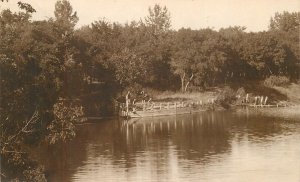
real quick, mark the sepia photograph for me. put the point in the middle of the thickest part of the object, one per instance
(150, 90)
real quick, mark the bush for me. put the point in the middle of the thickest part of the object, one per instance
(226, 97)
(276, 81)
(241, 92)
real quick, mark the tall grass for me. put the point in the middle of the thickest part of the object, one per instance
(188, 96)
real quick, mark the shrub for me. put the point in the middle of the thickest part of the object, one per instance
(241, 92)
(276, 81)
(226, 97)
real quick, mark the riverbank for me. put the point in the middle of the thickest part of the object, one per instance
(186, 97)
(292, 91)
(288, 95)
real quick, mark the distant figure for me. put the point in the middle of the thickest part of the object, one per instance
(247, 98)
(266, 100)
(255, 100)
(127, 101)
(147, 98)
(261, 100)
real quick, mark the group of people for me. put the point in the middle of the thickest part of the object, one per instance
(260, 100)
(257, 100)
(130, 100)
(141, 96)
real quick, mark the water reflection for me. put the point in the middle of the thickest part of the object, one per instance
(192, 136)
(210, 146)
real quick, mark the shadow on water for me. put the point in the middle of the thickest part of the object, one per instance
(155, 145)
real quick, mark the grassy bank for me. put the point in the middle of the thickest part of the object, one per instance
(189, 97)
(289, 94)
(292, 92)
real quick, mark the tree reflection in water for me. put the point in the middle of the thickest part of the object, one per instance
(162, 148)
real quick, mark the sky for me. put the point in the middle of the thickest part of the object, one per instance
(195, 14)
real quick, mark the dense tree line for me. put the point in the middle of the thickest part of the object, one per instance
(49, 69)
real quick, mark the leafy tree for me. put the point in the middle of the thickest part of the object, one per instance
(266, 55)
(64, 15)
(155, 46)
(34, 66)
(201, 57)
(285, 27)
(183, 57)
(49, 68)
(158, 21)
(128, 68)
(285, 21)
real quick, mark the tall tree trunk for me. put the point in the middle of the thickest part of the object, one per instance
(187, 84)
(182, 82)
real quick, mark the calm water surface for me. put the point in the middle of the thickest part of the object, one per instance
(210, 146)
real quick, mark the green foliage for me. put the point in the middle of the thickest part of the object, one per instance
(276, 81)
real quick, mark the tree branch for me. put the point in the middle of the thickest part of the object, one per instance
(24, 129)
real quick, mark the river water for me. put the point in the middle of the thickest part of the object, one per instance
(227, 146)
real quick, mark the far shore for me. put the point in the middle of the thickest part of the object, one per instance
(291, 92)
